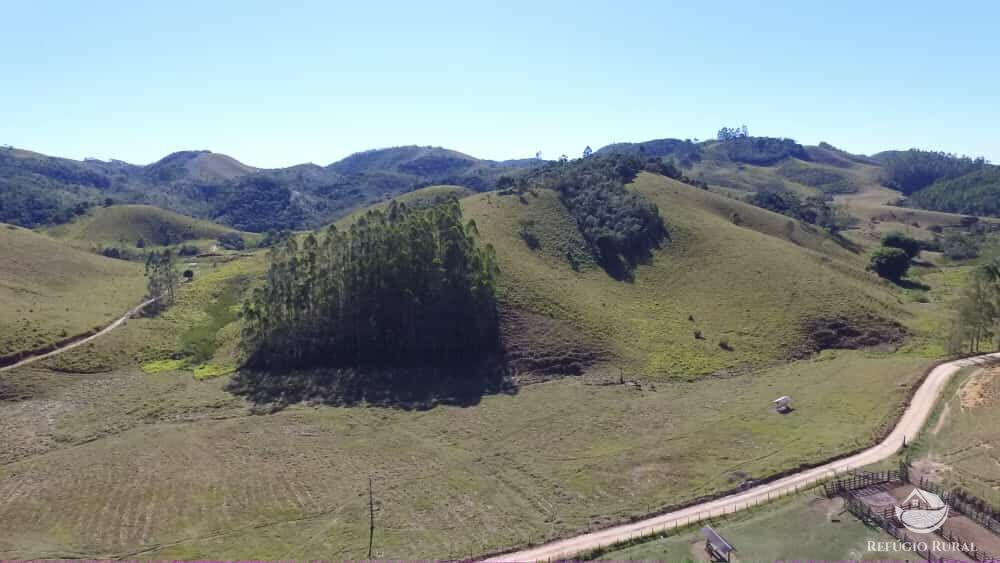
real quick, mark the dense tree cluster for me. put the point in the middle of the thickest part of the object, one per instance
(403, 288)
(761, 151)
(620, 226)
(890, 263)
(813, 210)
(974, 193)
(232, 241)
(913, 170)
(907, 244)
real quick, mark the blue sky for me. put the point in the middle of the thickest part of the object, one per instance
(275, 84)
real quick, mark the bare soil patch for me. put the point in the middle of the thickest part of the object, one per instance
(868, 331)
(979, 390)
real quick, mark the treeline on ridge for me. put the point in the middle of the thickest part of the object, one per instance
(403, 288)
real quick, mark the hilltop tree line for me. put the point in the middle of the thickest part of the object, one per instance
(402, 288)
(912, 170)
(729, 133)
(620, 226)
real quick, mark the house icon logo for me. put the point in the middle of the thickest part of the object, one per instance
(922, 512)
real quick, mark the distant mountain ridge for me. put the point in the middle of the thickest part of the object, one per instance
(36, 189)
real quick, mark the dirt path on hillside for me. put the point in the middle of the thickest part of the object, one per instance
(907, 429)
(117, 323)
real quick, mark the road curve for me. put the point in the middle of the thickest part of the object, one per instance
(83, 341)
(907, 428)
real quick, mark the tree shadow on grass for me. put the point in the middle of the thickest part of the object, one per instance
(413, 388)
(912, 284)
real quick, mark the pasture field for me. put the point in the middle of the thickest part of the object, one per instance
(49, 291)
(161, 465)
(199, 333)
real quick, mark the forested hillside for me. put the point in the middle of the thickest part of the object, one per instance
(975, 193)
(913, 170)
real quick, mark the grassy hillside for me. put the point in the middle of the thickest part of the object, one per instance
(49, 291)
(734, 285)
(128, 223)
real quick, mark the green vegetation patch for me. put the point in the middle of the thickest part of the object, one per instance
(157, 366)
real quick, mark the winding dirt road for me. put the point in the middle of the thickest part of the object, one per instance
(907, 428)
(117, 323)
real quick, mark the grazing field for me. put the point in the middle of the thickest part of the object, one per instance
(174, 467)
(717, 296)
(49, 291)
(198, 334)
(959, 446)
(125, 225)
(806, 527)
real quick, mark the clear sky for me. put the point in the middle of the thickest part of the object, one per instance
(279, 83)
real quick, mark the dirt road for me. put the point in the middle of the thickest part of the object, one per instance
(82, 341)
(907, 428)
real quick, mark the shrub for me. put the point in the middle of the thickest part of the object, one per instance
(232, 241)
(528, 235)
(960, 246)
(890, 263)
(907, 244)
(188, 250)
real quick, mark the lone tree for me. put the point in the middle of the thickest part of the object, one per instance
(161, 279)
(587, 152)
(907, 244)
(890, 263)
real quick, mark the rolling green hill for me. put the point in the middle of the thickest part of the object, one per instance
(128, 224)
(50, 291)
(735, 285)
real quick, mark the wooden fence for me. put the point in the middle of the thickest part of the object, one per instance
(886, 519)
(967, 548)
(860, 480)
(966, 505)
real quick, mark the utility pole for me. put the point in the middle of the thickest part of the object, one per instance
(371, 518)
